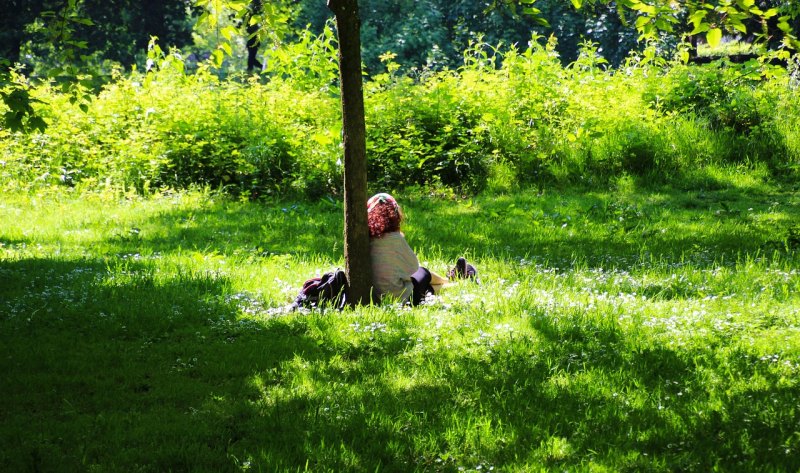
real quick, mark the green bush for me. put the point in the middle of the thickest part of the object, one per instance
(734, 102)
(169, 130)
(506, 112)
(421, 134)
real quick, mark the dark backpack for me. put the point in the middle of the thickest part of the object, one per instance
(329, 289)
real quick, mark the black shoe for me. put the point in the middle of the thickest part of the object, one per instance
(462, 270)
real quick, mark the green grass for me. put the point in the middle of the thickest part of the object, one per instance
(629, 329)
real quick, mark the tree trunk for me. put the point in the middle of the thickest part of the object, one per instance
(358, 265)
(253, 43)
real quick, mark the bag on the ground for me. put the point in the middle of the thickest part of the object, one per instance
(329, 289)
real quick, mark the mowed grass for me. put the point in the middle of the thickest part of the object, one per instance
(627, 329)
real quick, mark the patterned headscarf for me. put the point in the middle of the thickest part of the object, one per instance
(382, 198)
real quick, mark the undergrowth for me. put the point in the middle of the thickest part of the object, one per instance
(515, 113)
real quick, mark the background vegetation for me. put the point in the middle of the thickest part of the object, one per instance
(506, 116)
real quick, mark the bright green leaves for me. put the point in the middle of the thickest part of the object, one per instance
(716, 18)
(527, 9)
(229, 32)
(697, 19)
(710, 17)
(214, 11)
(653, 18)
(217, 57)
(649, 10)
(70, 72)
(714, 36)
(227, 20)
(158, 60)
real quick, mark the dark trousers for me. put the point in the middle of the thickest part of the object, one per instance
(421, 280)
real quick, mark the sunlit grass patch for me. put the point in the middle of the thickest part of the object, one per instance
(633, 328)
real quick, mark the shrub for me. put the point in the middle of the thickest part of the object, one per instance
(166, 129)
(733, 102)
(420, 134)
(513, 113)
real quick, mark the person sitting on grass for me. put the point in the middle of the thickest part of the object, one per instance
(396, 272)
(395, 268)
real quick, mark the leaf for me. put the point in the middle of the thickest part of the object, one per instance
(577, 3)
(697, 18)
(664, 25)
(322, 139)
(701, 28)
(82, 21)
(217, 57)
(228, 32)
(714, 36)
(644, 8)
(37, 122)
(532, 11)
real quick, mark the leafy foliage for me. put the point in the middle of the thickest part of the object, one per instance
(422, 134)
(434, 33)
(507, 114)
(116, 30)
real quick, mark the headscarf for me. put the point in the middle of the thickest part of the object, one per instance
(382, 198)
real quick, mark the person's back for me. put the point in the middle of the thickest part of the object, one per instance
(393, 263)
(395, 267)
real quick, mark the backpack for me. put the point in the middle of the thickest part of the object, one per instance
(329, 289)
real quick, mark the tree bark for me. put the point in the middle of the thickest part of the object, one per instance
(253, 43)
(358, 265)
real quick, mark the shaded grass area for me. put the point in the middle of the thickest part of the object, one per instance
(624, 330)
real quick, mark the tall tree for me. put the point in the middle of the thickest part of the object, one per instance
(358, 264)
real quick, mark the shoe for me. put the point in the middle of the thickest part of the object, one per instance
(462, 270)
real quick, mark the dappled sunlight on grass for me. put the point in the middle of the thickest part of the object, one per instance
(594, 340)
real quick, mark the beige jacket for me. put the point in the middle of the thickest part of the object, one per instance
(393, 263)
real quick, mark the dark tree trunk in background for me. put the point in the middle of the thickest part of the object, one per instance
(252, 49)
(358, 265)
(253, 42)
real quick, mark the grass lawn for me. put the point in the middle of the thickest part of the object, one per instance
(615, 330)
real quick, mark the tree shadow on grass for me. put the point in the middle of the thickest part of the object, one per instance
(519, 408)
(134, 370)
(123, 370)
(234, 228)
(624, 407)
